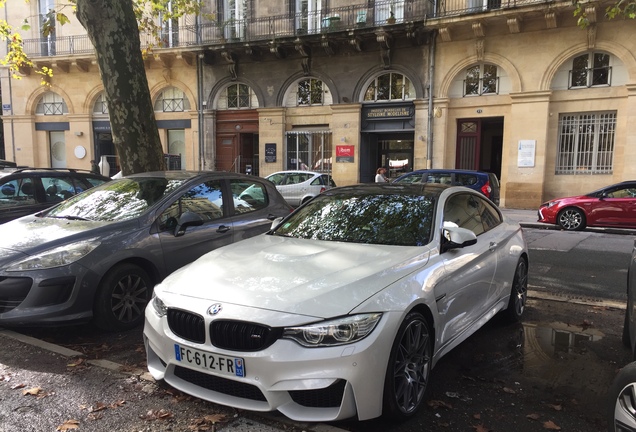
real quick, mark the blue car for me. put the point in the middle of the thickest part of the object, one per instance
(484, 182)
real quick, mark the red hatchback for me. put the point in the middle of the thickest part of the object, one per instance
(611, 206)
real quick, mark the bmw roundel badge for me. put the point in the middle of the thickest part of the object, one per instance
(215, 309)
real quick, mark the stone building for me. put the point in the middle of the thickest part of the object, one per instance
(516, 88)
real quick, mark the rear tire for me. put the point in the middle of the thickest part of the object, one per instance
(518, 293)
(122, 298)
(409, 368)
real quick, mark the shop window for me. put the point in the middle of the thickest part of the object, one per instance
(310, 150)
(481, 79)
(172, 100)
(391, 86)
(586, 143)
(51, 104)
(589, 70)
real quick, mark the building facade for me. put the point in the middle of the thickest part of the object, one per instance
(512, 88)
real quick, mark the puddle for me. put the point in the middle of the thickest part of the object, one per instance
(564, 356)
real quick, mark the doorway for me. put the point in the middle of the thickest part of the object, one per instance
(480, 144)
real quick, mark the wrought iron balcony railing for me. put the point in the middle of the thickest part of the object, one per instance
(380, 13)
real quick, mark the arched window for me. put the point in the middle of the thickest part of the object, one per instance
(237, 96)
(390, 87)
(51, 104)
(481, 79)
(172, 100)
(590, 69)
(100, 107)
(308, 92)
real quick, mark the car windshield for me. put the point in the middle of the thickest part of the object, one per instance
(116, 200)
(388, 219)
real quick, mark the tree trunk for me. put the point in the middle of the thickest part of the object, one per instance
(112, 28)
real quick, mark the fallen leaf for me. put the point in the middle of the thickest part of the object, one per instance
(551, 426)
(161, 414)
(556, 407)
(32, 391)
(76, 363)
(18, 386)
(216, 418)
(95, 416)
(68, 425)
(533, 416)
(97, 407)
(477, 416)
(509, 390)
(480, 428)
(117, 404)
(438, 404)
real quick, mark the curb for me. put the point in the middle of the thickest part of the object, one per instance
(604, 230)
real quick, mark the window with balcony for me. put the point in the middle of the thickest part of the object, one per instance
(172, 100)
(391, 86)
(590, 69)
(308, 16)
(233, 16)
(481, 79)
(47, 27)
(169, 27)
(389, 11)
(51, 104)
(238, 96)
(586, 143)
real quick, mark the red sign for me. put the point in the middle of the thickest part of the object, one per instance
(344, 153)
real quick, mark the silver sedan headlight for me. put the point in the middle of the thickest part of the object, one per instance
(60, 256)
(339, 331)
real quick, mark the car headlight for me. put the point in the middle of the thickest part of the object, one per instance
(60, 256)
(339, 331)
(159, 306)
(550, 204)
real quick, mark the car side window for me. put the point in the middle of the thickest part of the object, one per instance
(466, 179)
(95, 181)
(442, 178)
(622, 193)
(411, 178)
(57, 189)
(248, 195)
(465, 211)
(204, 199)
(17, 192)
(276, 178)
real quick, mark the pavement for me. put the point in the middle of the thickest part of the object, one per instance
(273, 423)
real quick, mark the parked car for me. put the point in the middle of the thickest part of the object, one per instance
(484, 182)
(99, 254)
(299, 187)
(344, 307)
(29, 190)
(622, 392)
(611, 206)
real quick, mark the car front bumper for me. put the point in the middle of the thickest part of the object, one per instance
(60, 295)
(305, 384)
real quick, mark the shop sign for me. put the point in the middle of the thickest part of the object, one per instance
(270, 152)
(388, 113)
(344, 153)
(526, 152)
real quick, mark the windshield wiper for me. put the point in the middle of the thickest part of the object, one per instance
(77, 218)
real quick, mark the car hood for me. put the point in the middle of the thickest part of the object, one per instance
(31, 234)
(307, 277)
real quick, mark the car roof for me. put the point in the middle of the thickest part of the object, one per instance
(49, 171)
(428, 189)
(450, 170)
(296, 172)
(184, 174)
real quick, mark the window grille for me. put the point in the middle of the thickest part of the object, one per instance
(586, 143)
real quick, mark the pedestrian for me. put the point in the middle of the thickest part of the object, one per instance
(380, 176)
(95, 167)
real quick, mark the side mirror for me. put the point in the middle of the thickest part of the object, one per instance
(454, 237)
(185, 220)
(275, 223)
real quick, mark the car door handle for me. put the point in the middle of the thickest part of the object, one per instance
(223, 229)
(493, 246)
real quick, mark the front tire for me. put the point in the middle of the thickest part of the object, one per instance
(571, 219)
(122, 297)
(622, 398)
(518, 293)
(409, 368)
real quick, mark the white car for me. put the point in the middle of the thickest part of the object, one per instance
(344, 307)
(298, 187)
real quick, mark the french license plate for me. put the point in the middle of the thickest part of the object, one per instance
(211, 362)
